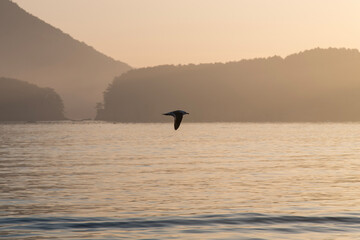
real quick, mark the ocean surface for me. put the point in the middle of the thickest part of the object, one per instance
(96, 180)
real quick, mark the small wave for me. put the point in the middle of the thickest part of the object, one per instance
(56, 223)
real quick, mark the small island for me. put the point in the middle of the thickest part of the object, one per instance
(22, 101)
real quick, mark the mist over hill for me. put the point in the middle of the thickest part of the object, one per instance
(22, 101)
(314, 85)
(34, 50)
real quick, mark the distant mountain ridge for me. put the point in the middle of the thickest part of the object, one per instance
(314, 85)
(33, 50)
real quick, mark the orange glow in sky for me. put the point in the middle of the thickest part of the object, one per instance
(147, 33)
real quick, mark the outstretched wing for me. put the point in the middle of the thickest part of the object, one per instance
(170, 114)
(177, 121)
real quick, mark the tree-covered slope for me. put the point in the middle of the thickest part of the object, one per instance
(33, 50)
(314, 85)
(22, 101)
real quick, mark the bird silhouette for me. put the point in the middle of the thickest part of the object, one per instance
(178, 116)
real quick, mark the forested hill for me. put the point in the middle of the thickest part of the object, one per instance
(33, 50)
(314, 85)
(22, 101)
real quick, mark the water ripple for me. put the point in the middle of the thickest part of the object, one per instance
(145, 181)
(252, 220)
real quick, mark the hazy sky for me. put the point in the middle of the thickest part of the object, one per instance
(153, 32)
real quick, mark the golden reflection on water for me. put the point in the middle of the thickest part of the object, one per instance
(148, 171)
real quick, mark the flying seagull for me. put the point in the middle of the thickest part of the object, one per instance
(178, 116)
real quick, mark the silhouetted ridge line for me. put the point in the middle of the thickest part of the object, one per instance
(33, 50)
(314, 85)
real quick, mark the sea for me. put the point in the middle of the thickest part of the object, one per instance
(103, 180)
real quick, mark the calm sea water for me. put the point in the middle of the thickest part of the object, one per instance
(94, 180)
